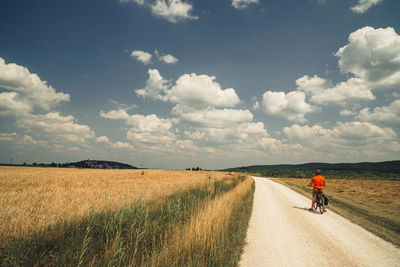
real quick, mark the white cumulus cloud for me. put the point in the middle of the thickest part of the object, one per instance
(201, 91)
(115, 114)
(122, 145)
(103, 139)
(156, 86)
(26, 90)
(346, 112)
(363, 5)
(245, 134)
(359, 132)
(26, 96)
(386, 115)
(215, 117)
(196, 135)
(169, 59)
(256, 104)
(142, 56)
(29, 140)
(313, 85)
(291, 106)
(12, 104)
(148, 129)
(242, 4)
(150, 123)
(172, 10)
(164, 138)
(203, 109)
(57, 127)
(22, 140)
(344, 140)
(139, 2)
(372, 55)
(145, 57)
(322, 91)
(190, 91)
(116, 145)
(8, 137)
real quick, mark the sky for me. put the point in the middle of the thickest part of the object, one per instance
(174, 84)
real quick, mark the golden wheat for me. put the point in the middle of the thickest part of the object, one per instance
(381, 197)
(205, 230)
(372, 204)
(34, 198)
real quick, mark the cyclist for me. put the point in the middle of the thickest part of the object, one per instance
(318, 183)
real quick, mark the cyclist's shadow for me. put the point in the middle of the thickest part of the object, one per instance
(299, 208)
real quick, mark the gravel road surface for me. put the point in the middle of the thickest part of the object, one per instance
(283, 232)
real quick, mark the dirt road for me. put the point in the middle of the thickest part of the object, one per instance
(283, 232)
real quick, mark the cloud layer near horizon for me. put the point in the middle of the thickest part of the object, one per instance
(205, 83)
(32, 103)
(205, 117)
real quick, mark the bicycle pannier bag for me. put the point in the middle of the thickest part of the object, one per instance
(326, 200)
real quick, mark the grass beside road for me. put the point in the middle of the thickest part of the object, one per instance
(372, 204)
(215, 236)
(201, 226)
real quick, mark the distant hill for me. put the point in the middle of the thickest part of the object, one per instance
(386, 169)
(386, 166)
(86, 164)
(98, 164)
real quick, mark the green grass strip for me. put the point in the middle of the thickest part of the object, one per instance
(237, 231)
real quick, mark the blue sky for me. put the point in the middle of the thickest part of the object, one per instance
(215, 84)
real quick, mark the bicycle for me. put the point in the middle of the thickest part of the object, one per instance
(319, 202)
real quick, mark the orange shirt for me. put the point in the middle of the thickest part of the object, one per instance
(319, 182)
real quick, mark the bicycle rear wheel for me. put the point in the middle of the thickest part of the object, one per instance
(321, 205)
(315, 207)
(318, 204)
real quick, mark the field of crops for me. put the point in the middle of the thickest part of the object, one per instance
(33, 198)
(129, 217)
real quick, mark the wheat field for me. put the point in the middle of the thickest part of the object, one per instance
(380, 196)
(205, 231)
(372, 204)
(34, 198)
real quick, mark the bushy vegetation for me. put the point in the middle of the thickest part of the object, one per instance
(132, 236)
(332, 174)
(364, 170)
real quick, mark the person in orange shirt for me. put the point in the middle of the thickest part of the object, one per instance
(318, 182)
